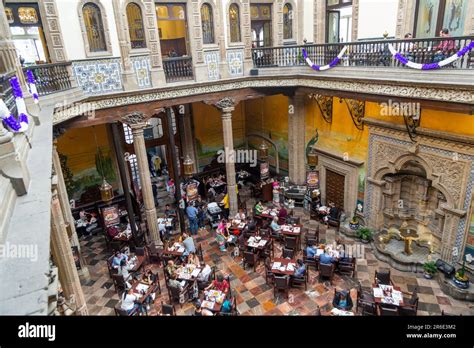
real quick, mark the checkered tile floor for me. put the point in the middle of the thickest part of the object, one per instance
(254, 296)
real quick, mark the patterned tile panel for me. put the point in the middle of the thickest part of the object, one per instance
(212, 61)
(235, 61)
(141, 67)
(98, 76)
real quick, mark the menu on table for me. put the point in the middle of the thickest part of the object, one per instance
(276, 265)
(207, 304)
(142, 287)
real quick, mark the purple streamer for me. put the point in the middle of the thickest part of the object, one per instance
(431, 66)
(30, 76)
(35, 96)
(333, 63)
(23, 118)
(12, 123)
(401, 58)
(17, 92)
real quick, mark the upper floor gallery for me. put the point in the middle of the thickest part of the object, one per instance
(105, 46)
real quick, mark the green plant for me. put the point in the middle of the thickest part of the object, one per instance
(364, 233)
(461, 274)
(430, 267)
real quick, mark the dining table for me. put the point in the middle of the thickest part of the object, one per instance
(281, 266)
(387, 294)
(139, 259)
(257, 243)
(188, 272)
(214, 300)
(176, 250)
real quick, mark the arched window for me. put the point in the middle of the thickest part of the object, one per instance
(207, 24)
(135, 26)
(94, 27)
(287, 21)
(234, 20)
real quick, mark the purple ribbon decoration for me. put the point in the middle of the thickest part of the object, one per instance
(432, 66)
(332, 64)
(17, 92)
(30, 76)
(12, 123)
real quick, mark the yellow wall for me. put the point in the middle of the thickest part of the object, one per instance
(79, 145)
(273, 122)
(171, 30)
(208, 129)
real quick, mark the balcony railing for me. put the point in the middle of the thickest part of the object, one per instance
(178, 69)
(6, 92)
(367, 53)
(51, 78)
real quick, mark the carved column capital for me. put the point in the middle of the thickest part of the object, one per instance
(226, 106)
(136, 120)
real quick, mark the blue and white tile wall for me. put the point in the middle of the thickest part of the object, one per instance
(141, 66)
(98, 76)
(235, 61)
(212, 60)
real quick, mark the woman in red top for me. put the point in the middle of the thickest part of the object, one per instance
(220, 284)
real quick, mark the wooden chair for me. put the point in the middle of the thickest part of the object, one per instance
(269, 276)
(168, 309)
(382, 277)
(387, 310)
(335, 222)
(199, 252)
(250, 259)
(347, 267)
(119, 283)
(264, 232)
(269, 250)
(288, 253)
(178, 295)
(112, 270)
(310, 261)
(275, 235)
(154, 253)
(326, 271)
(410, 305)
(123, 313)
(299, 282)
(281, 283)
(233, 308)
(141, 251)
(291, 243)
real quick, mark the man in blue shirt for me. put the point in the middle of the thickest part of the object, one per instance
(192, 214)
(310, 251)
(119, 256)
(326, 258)
(300, 271)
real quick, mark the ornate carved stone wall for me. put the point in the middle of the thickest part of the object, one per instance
(405, 17)
(319, 21)
(449, 165)
(52, 30)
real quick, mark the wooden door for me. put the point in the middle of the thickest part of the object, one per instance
(335, 188)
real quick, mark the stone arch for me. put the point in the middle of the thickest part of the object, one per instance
(147, 34)
(105, 23)
(395, 167)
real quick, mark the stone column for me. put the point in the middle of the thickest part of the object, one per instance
(319, 21)
(188, 136)
(137, 121)
(128, 76)
(65, 206)
(62, 255)
(355, 20)
(296, 139)
(226, 106)
(405, 18)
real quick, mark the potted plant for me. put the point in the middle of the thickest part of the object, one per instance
(461, 280)
(365, 234)
(354, 223)
(430, 269)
